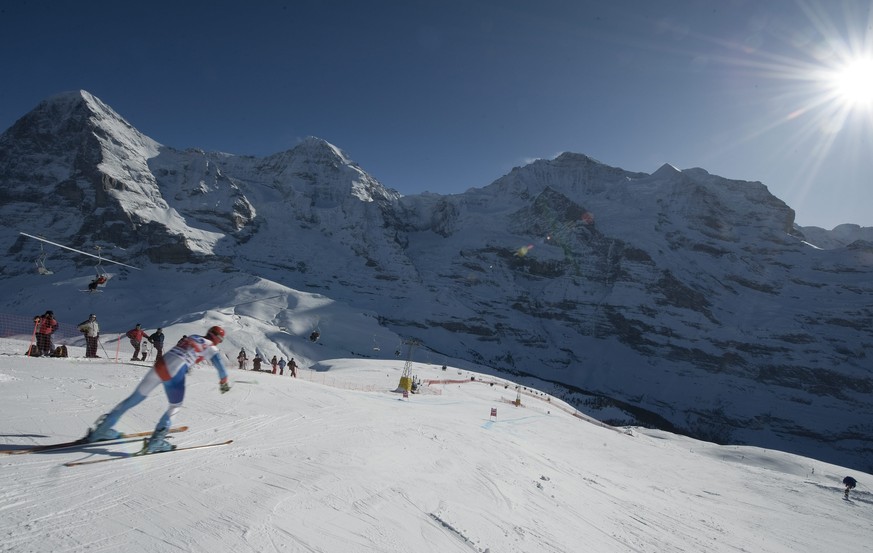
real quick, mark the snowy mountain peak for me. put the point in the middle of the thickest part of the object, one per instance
(315, 167)
(666, 171)
(568, 270)
(319, 149)
(82, 111)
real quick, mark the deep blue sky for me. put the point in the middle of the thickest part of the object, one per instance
(445, 95)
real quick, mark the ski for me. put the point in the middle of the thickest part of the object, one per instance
(143, 454)
(82, 441)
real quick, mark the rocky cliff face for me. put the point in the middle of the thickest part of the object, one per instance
(681, 297)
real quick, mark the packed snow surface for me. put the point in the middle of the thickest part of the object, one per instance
(337, 461)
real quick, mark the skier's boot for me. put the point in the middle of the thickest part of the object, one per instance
(158, 442)
(102, 431)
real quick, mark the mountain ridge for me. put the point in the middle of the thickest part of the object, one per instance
(681, 293)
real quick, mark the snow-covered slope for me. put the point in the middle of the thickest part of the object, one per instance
(684, 299)
(334, 461)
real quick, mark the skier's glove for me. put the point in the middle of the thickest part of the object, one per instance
(224, 387)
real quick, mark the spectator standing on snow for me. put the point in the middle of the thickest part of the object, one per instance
(170, 371)
(274, 363)
(136, 335)
(282, 364)
(850, 484)
(292, 368)
(256, 362)
(45, 327)
(91, 330)
(145, 349)
(157, 340)
(242, 358)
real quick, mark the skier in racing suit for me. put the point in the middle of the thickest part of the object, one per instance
(169, 370)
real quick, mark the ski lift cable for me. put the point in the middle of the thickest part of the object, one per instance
(79, 251)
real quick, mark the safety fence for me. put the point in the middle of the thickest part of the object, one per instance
(326, 379)
(25, 329)
(113, 346)
(528, 393)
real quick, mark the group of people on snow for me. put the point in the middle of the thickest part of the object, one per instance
(46, 325)
(140, 340)
(138, 337)
(169, 369)
(278, 364)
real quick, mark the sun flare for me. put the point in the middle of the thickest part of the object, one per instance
(853, 83)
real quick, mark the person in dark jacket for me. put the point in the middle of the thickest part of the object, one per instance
(850, 484)
(157, 340)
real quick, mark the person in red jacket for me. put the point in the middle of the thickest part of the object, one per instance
(45, 327)
(136, 335)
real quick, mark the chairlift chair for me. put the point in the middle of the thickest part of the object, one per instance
(102, 277)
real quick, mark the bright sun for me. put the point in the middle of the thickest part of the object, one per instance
(853, 83)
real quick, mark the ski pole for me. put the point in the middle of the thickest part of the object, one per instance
(36, 323)
(106, 353)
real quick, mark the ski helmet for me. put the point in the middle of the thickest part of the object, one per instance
(215, 334)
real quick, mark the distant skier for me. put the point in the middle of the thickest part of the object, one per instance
(242, 358)
(274, 363)
(170, 371)
(282, 364)
(850, 485)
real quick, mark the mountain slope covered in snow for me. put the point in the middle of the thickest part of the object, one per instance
(678, 298)
(433, 472)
